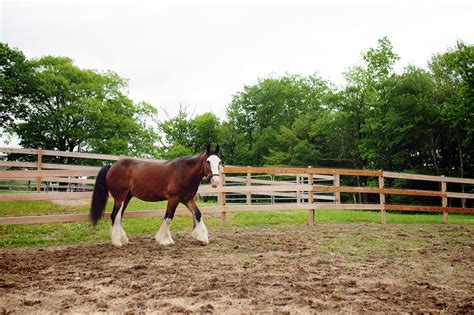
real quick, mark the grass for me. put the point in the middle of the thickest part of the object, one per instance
(81, 232)
(23, 208)
(241, 219)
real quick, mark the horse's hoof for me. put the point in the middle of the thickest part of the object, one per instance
(117, 240)
(201, 237)
(204, 241)
(117, 244)
(200, 233)
(166, 242)
(125, 240)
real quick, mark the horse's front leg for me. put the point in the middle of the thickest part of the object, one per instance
(163, 236)
(199, 229)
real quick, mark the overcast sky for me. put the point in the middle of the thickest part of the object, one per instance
(200, 53)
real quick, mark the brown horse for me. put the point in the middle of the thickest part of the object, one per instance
(175, 180)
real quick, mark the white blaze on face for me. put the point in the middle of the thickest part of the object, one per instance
(214, 161)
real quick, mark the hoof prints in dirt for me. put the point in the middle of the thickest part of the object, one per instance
(330, 267)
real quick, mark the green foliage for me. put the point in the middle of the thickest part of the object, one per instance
(453, 75)
(15, 77)
(67, 108)
(380, 61)
(177, 130)
(363, 98)
(185, 135)
(418, 120)
(257, 114)
(402, 131)
(296, 146)
(205, 128)
(175, 150)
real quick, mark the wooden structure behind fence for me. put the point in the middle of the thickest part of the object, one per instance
(305, 188)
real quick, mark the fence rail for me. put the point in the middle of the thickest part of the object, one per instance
(238, 181)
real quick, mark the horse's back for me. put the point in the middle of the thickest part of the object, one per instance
(132, 168)
(147, 180)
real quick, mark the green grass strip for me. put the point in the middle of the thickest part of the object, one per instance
(12, 236)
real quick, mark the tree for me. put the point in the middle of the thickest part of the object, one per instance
(453, 74)
(15, 82)
(126, 128)
(295, 146)
(187, 135)
(177, 130)
(176, 149)
(205, 128)
(380, 61)
(406, 132)
(230, 140)
(67, 108)
(258, 112)
(362, 101)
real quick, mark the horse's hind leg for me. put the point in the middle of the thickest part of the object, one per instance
(125, 204)
(116, 217)
(118, 235)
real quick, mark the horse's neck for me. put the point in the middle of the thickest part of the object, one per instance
(196, 171)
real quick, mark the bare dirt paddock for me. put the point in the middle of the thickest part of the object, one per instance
(295, 269)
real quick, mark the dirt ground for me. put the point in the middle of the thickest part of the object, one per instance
(294, 269)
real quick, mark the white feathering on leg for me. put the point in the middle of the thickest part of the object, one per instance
(116, 230)
(163, 236)
(124, 236)
(200, 232)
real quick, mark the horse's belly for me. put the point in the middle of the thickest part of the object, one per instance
(149, 190)
(148, 196)
(151, 199)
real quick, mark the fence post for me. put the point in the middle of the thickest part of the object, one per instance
(382, 199)
(444, 200)
(222, 197)
(298, 192)
(39, 165)
(249, 194)
(337, 183)
(310, 199)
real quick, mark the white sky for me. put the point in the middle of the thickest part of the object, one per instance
(200, 53)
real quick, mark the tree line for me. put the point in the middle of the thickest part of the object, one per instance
(417, 120)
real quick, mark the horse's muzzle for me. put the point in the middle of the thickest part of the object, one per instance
(215, 180)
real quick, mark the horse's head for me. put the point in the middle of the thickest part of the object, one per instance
(211, 165)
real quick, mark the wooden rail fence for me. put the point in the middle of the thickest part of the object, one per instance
(304, 188)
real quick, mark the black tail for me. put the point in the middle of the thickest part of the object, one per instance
(99, 196)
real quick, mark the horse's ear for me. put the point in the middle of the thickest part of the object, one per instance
(208, 149)
(217, 149)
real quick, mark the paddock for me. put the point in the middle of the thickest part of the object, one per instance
(312, 267)
(299, 269)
